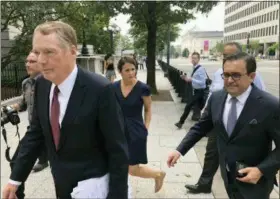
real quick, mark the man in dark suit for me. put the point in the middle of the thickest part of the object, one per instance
(73, 116)
(246, 121)
(211, 159)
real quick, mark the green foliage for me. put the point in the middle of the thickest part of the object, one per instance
(254, 45)
(274, 47)
(151, 16)
(124, 41)
(25, 16)
(140, 37)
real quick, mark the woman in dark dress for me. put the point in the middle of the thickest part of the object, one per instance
(133, 95)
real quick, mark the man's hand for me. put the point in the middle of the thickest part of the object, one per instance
(9, 191)
(188, 79)
(253, 174)
(172, 158)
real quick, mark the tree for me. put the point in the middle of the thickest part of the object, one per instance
(25, 16)
(185, 53)
(273, 49)
(140, 37)
(219, 47)
(254, 45)
(151, 15)
(124, 41)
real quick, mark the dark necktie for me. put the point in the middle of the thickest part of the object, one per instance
(55, 117)
(232, 116)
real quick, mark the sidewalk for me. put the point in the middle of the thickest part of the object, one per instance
(163, 138)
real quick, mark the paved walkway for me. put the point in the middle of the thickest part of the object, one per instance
(163, 137)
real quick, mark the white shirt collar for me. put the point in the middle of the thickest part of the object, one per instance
(67, 85)
(243, 97)
(196, 66)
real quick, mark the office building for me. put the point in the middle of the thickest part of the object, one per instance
(201, 41)
(252, 20)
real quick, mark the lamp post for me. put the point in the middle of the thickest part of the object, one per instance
(112, 29)
(84, 50)
(248, 42)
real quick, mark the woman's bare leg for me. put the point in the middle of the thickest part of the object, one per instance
(147, 172)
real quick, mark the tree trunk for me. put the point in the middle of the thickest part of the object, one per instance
(151, 46)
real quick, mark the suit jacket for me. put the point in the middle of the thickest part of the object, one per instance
(92, 141)
(250, 142)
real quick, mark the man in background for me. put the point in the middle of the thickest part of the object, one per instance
(27, 102)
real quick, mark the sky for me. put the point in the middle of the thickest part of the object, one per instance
(214, 21)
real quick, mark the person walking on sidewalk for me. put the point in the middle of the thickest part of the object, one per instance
(133, 95)
(27, 102)
(211, 159)
(109, 67)
(87, 150)
(199, 85)
(246, 122)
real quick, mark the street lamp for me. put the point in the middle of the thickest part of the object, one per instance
(248, 42)
(84, 50)
(112, 29)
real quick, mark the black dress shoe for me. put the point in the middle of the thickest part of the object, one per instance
(39, 167)
(198, 188)
(179, 125)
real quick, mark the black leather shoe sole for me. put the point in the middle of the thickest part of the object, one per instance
(198, 189)
(179, 125)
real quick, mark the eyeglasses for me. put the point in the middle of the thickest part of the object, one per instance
(234, 76)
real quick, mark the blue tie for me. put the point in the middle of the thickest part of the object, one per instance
(232, 116)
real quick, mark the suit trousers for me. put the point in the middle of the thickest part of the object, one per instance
(231, 188)
(197, 100)
(211, 161)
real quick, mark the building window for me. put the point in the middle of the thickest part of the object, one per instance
(277, 14)
(270, 16)
(267, 17)
(269, 31)
(272, 30)
(276, 30)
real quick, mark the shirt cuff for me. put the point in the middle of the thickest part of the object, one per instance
(179, 152)
(14, 182)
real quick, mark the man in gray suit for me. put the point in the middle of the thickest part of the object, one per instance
(246, 121)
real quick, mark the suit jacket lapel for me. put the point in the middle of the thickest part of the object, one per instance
(248, 112)
(73, 107)
(220, 111)
(46, 111)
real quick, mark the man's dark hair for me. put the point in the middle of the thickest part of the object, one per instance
(250, 61)
(196, 53)
(237, 45)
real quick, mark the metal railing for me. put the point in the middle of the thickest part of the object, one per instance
(181, 87)
(11, 80)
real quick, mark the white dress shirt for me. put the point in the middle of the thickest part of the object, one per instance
(241, 100)
(65, 89)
